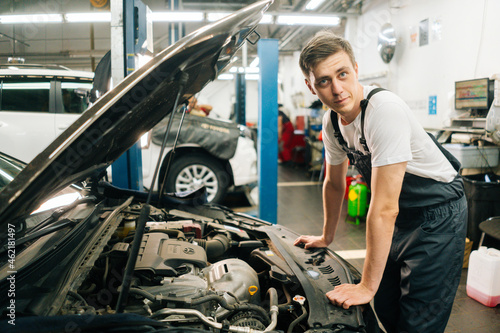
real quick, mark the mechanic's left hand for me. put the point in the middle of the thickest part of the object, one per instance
(347, 295)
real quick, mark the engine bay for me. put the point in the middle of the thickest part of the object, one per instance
(188, 271)
(206, 267)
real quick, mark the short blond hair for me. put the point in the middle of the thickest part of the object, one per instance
(324, 44)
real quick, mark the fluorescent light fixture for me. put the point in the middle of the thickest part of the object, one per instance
(252, 76)
(88, 17)
(174, 16)
(211, 17)
(225, 76)
(308, 20)
(313, 4)
(254, 62)
(31, 18)
(252, 70)
(248, 70)
(266, 19)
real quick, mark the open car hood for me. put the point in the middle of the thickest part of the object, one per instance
(118, 119)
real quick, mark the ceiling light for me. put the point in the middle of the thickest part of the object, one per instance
(252, 70)
(211, 17)
(248, 70)
(88, 17)
(225, 76)
(313, 4)
(32, 18)
(177, 16)
(252, 76)
(308, 20)
(266, 19)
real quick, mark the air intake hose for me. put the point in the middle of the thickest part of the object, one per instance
(215, 247)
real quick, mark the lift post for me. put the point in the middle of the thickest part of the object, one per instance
(268, 130)
(128, 34)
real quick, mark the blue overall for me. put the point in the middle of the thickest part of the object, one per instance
(425, 261)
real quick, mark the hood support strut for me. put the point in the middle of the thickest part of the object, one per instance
(182, 84)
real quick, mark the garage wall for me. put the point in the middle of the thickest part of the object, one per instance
(464, 44)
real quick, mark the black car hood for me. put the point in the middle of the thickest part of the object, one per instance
(118, 119)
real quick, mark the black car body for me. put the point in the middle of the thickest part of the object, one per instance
(79, 255)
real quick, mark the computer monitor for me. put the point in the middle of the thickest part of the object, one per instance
(474, 94)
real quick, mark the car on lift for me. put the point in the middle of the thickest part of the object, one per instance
(217, 154)
(79, 254)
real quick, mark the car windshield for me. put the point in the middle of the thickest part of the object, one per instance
(9, 168)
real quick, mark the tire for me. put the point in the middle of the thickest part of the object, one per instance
(189, 172)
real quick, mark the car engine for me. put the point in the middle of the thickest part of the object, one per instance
(187, 271)
(209, 268)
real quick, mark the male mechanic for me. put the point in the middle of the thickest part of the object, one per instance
(416, 222)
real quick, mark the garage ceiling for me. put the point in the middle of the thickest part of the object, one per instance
(81, 45)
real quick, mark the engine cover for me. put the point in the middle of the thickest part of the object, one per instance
(161, 255)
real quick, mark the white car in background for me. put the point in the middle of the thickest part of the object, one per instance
(37, 103)
(217, 154)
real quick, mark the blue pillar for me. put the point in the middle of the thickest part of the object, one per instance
(127, 170)
(268, 130)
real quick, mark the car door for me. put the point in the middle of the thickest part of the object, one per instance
(72, 99)
(27, 113)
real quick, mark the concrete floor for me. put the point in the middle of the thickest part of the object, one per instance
(300, 209)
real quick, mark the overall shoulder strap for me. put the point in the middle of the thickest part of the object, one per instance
(336, 133)
(364, 104)
(335, 123)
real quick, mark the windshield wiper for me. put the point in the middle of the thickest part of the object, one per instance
(45, 231)
(56, 214)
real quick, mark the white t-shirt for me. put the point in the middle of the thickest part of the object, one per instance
(393, 135)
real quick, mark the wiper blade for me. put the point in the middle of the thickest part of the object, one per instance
(45, 231)
(59, 212)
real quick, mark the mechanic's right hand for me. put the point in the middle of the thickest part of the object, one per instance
(311, 241)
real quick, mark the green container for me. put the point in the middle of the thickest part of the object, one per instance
(357, 202)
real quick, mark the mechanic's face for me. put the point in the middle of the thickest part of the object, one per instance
(335, 81)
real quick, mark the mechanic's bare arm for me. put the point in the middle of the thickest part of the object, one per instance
(333, 196)
(385, 187)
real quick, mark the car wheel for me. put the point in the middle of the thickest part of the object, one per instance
(190, 172)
